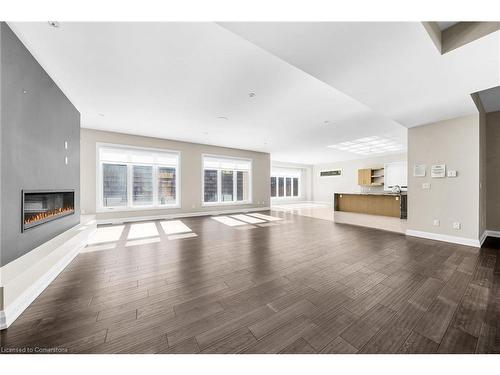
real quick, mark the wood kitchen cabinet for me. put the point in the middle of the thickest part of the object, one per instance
(373, 204)
(364, 177)
(371, 176)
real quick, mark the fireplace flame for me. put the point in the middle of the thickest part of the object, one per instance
(45, 215)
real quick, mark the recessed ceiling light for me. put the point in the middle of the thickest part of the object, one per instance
(205, 133)
(54, 24)
(251, 94)
(222, 118)
(326, 122)
(101, 114)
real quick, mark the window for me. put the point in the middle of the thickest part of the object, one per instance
(336, 172)
(295, 187)
(114, 185)
(285, 184)
(210, 182)
(227, 184)
(281, 186)
(133, 178)
(142, 185)
(242, 185)
(288, 187)
(226, 180)
(273, 186)
(166, 185)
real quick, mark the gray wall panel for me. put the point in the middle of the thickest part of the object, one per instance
(36, 119)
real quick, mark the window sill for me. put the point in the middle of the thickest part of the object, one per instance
(139, 208)
(212, 204)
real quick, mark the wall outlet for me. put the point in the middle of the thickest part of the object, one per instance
(451, 173)
(456, 225)
(426, 185)
(436, 222)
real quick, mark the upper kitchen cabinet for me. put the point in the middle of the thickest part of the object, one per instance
(371, 177)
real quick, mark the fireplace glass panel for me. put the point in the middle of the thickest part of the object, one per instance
(42, 207)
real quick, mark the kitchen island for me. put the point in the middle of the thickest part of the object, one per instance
(383, 204)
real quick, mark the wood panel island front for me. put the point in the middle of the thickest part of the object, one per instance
(384, 204)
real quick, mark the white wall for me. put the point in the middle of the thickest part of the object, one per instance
(325, 187)
(455, 143)
(305, 172)
(191, 164)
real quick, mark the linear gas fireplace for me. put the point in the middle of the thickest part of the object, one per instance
(40, 207)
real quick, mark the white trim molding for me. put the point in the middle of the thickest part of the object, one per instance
(128, 160)
(25, 278)
(130, 219)
(444, 237)
(489, 233)
(483, 237)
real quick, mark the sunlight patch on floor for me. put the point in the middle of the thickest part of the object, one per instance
(248, 219)
(230, 222)
(106, 234)
(174, 227)
(182, 236)
(265, 217)
(142, 230)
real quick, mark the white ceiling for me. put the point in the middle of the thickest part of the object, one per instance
(491, 99)
(392, 67)
(173, 80)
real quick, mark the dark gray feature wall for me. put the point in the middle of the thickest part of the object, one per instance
(36, 119)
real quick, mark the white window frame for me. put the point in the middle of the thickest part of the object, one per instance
(130, 203)
(219, 202)
(277, 176)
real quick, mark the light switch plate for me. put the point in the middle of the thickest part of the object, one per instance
(426, 185)
(451, 173)
(456, 225)
(436, 222)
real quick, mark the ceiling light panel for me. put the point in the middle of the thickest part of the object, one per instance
(369, 145)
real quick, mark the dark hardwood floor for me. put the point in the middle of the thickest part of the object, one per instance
(300, 285)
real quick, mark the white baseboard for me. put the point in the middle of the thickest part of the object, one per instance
(483, 237)
(41, 274)
(129, 219)
(444, 237)
(492, 233)
(489, 233)
(12, 312)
